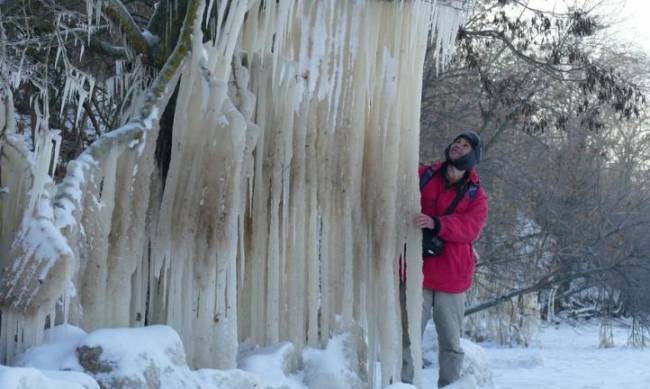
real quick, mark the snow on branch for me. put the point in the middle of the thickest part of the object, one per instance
(118, 13)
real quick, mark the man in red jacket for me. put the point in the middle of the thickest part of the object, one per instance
(449, 267)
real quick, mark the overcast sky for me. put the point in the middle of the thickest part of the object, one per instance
(636, 14)
(630, 19)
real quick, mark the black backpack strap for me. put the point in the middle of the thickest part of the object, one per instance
(427, 176)
(469, 187)
(459, 196)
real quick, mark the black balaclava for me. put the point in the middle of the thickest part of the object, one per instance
(471, 159)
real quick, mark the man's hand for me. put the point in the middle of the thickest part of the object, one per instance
(424, 221)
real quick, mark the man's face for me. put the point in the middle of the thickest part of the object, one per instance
(459, 148)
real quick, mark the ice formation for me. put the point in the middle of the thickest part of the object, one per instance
(289, 198)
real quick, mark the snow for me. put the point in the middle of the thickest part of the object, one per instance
(271, 363)
(57, 353)
(331, 367)
(132, 354)
(28, 378)
(127, 346)
(563, 356)
(567, 357)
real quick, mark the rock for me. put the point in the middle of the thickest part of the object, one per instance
(143, 358)
(90, 360)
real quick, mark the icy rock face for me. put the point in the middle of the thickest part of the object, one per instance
(296, 133)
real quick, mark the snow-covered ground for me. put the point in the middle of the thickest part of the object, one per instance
(562, 356)
(568, 357)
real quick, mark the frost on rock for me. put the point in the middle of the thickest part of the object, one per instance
(289, 194)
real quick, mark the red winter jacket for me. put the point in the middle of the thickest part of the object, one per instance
(453, 270)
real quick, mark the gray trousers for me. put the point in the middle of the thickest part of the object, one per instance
(448, 312)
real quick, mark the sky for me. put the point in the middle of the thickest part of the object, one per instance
(635, 22)
(628, 19)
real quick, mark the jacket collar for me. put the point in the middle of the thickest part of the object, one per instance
(472, 176)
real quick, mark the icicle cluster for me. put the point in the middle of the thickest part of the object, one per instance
(30, 244)
(290, 194)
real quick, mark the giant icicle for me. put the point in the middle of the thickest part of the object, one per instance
(290, 192)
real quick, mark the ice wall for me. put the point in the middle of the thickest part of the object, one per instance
(290, 193)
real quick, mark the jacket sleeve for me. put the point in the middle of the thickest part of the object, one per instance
(465, 227)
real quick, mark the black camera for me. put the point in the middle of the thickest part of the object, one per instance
(432, 245)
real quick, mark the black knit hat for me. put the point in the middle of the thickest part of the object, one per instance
(468, 161)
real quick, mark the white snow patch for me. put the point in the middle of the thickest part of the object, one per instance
(127, 346)
(568, 357)
(331, 367)
(275, 364)
(58, 351)
(30, 378)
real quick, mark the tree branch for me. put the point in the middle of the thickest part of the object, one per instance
(117, 12)
(544, 283)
